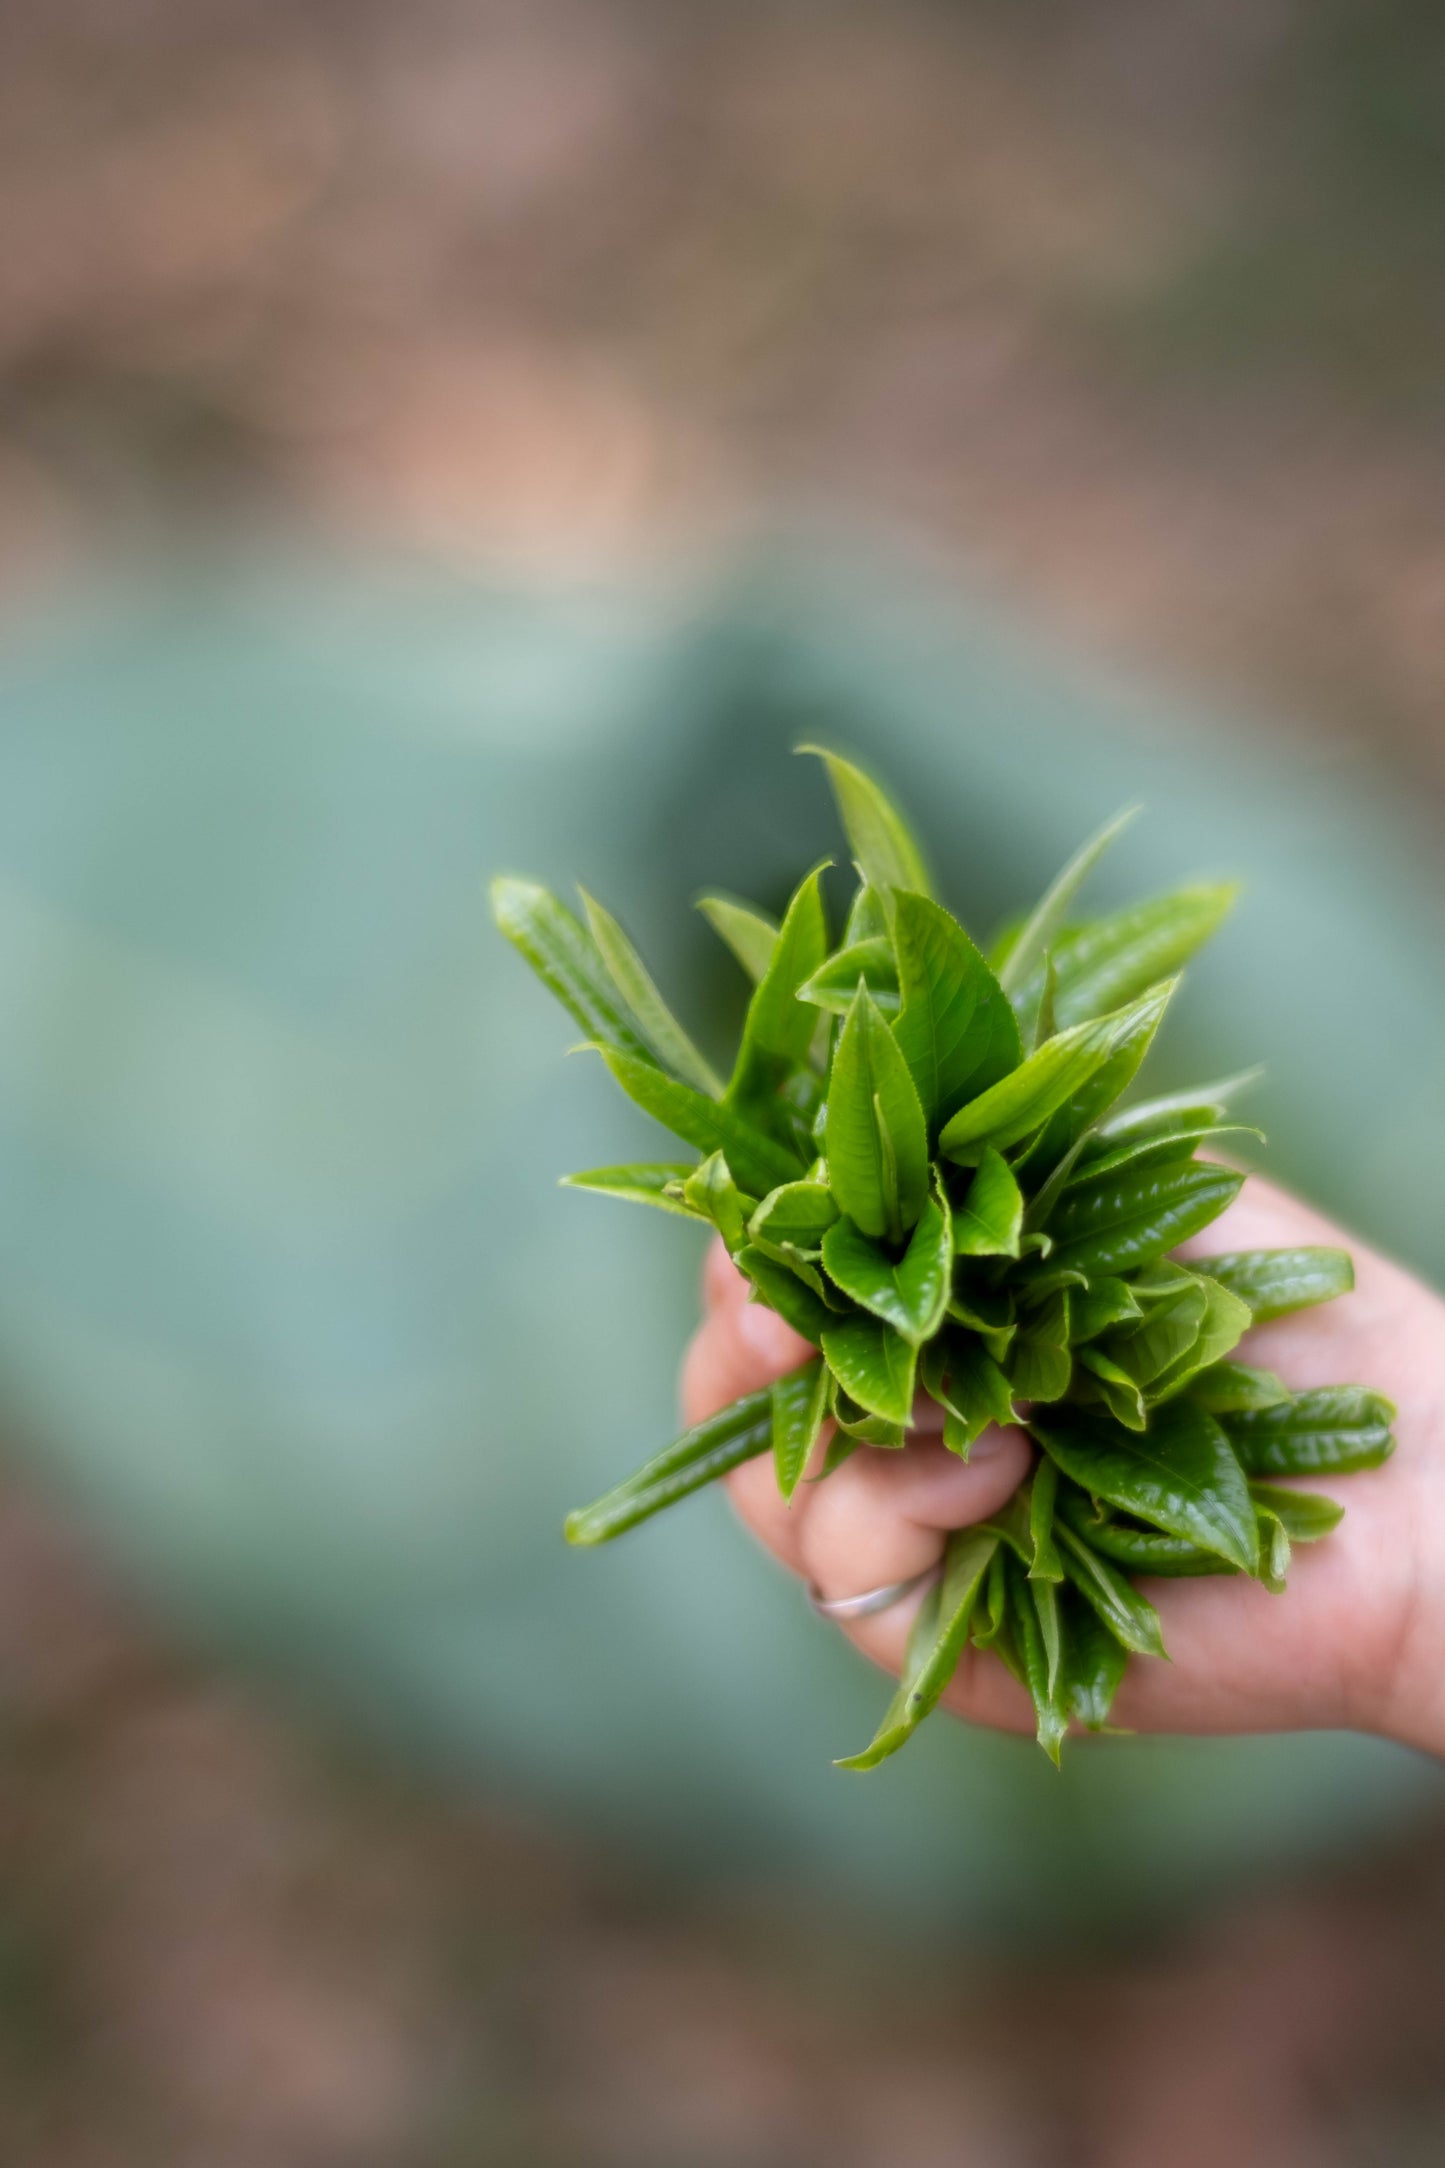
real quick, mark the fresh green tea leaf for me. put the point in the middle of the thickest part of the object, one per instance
(795, 1218)
(1099, 1306)
(1165, 1148)
(635, 983)
(639, 1183)
(778, 1027)
(1276, 1282)
(749, 933)
(1304, 1517)
(1127, 1220)
(711, 1191)
(758, 1163)
(1177, 1110)
(699, 1456)
(1036, 937)
(859, 1426)
(935, 1644)
(873, 1364)
(835, 982)
(1094, 1664)
(566, 960)
(1040, 1364)
(955, 1030)
(876, 1139)
(1021, 1103)
(1122, 1395)
(800, 1404)
(989, 1221)
(1228, 1388)
(1033, 1614)
(1225, 1322)
(1113, 959)
(1130, 1617)
(1332, 1430)
(787, 1291)
(1043, 1494)
(909, 1293)
(970, 1388)
(1182, 1475)
(880, 839)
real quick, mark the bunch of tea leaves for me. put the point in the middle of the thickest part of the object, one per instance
(924, 1160)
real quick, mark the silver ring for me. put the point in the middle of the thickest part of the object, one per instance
(872, 1600)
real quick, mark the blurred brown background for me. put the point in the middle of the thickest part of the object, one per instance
(1134, 312)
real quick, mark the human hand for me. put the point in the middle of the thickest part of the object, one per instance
(1356, 1640)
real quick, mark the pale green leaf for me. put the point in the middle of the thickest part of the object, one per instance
(635, 983)
(876, 1140)
(955, 1029)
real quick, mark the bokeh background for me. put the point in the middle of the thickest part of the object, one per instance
(493, 434)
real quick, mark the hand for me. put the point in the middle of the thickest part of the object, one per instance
(1358, 1639)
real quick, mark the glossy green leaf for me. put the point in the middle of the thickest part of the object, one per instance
(1171, 1111)
(795, 1218)
(1304, 1517)
(970, 1388)
(1043, 1494)
(1276, 1282)
(800, 1404)
(835, 982)
(1122, 1395)
(758, 1163)
(1146, 1550)
(873, 1364)
(1124, 1221)
(566, 959)
(1166, 1331)
(711, 1191)
(1331, 1430)
(1130, 1617)
(749, 933)
(1113, 959)
(879, 837)
(785, 1289)
(639, 1183)
(1164, 1148)
(956, 1030)
(877, 1143)
(1040, 1364)
(1033, 1614)
(699, 1456)
(990, 1218)
(1228, 1388)
(909, 1293)
(1069, 1125)
(859, 1426)
(778, 1027)
(1182, 1475)
(1094, 1664)
(1039, 932)
(1099, 1306)
(1022, 1102)
(867, 919)
(1225, 1322)
(935, 1644)
(635, 983)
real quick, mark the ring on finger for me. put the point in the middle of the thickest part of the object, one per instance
(872, 1600)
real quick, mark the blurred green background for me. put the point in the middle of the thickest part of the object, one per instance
(495, 440)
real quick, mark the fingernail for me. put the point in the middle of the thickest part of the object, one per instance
(989, 1444)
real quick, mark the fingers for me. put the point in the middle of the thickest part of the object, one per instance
(740, 1346)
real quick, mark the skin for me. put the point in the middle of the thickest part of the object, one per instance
(1358, 1640)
